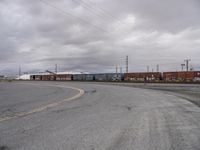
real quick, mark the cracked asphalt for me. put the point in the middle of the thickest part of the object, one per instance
(106, 117)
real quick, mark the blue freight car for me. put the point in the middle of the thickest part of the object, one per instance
(98, 77)
(114, 77)
(79, 77)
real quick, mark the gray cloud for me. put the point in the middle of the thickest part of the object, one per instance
(95, 36)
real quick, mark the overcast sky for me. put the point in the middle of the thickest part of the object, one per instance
(96, 35)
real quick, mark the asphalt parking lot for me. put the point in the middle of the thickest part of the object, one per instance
(104, 117)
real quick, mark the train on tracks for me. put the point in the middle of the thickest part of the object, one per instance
(178, 76)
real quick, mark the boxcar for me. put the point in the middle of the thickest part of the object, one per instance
(63, 77)
(181, 76)
(79, 77)
(143, 76)
(114, 76)
(100, 77)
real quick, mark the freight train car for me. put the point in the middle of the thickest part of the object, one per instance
(63, 77)
(170, 76)
(143, 76)
(114, 76)
(43, 77)
(83, 77)
(108, 77)
(197, 76)
(98, 77)
(182, 76)
(89, 77)
(79, 77)
(36, 77)
(48, 77)
(51, 77)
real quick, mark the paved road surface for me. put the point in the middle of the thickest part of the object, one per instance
(191, 92)
(106, 117)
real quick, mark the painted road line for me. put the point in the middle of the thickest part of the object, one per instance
(39, 109)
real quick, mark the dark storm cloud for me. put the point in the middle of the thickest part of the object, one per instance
(96, 36)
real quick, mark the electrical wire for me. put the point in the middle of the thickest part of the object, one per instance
(104, 11)
(71, 15)
(90, 9)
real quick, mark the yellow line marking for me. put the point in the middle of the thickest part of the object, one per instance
(39, 109)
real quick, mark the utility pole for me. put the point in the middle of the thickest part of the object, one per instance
(157, 68)
(116, 72)
(120, 73)
(127, 64)
(182, 66)
(56, 68)
(19, 71)
(187, 63)
(191, 68)
(147, 68)
(120, 69)
(116, 69)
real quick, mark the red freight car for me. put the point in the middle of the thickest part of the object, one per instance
(52, 77)
(181, 76)
(64, 77)
(170, 76)
(142, 76)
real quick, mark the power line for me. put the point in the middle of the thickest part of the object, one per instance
(71, 15)
(89, 4)
(103, 11)
(74, 16)
(90, 9)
